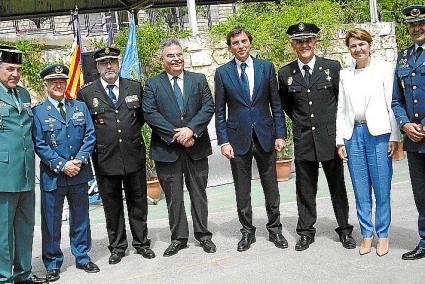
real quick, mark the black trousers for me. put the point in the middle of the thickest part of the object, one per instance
(195, 173)
(110, 189)
(306, 186)
(242, 174)
(416, 163)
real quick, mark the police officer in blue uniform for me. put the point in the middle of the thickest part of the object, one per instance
(409, 109)
(64, 139)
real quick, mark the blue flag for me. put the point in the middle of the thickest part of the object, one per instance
(130, 67)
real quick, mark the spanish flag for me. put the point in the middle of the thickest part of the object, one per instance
(75, 68)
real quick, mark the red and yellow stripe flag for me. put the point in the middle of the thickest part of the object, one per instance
(75, 68)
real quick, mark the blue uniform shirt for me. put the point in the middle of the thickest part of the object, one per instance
(408, 102)
(58, 140)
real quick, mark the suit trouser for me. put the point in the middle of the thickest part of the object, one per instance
(306, 187)
(242, 175)
(370, 168)
(416, 163)
(110, 189)
(195, 172)
(16, 235)
(51, 223)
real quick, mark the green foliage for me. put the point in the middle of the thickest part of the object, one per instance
(150, 164)
(268, 23)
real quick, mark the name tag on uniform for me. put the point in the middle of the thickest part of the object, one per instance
(130, 99)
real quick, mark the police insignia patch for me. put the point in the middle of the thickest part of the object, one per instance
(415, 12)
(301, 26)
(130, 99)
(290, 81)
(95, 102)
(58, 69)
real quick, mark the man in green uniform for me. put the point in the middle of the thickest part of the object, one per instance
(17, 170)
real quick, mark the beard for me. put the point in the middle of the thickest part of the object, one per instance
(110, 76)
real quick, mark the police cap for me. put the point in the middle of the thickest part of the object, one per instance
(414, 13)
(54, 71)
(107, 52)
(302, 30)
(9, 54)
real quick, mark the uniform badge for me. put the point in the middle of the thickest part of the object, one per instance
(53, 141)
(327, 72)
(130, 99)
(294, 71)
(290, 81)
(320, 68)
(405, 53)
(77, 115)
(101, 121)
(95, 102)
(403, 63)
(26, 105)
(58, 69)
(107, 51)
(49, 107)
(415, 12)
(76, 108)
(3, 105)
(301, 27)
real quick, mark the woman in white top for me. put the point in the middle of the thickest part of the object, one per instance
(366, 136)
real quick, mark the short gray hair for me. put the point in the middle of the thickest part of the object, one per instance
(166, 43)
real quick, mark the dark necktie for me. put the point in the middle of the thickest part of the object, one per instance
(15, 98)
(112, 95)
(178, 93)
(418, 52)
(61, 110)
(307, 74)
(245, 81)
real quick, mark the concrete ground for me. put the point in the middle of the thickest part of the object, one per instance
(326, 261)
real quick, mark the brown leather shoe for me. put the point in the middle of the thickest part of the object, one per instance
(365, 246)
(383, 246)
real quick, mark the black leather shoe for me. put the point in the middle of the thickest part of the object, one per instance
(174, 248)
(116, 257)
(208, 246)
(348, 241)
(89, 267)
(278, 240)
(246, 241)
(33, 280)
(146, 252)
(417, 253)
(303, 243)
(53, 275)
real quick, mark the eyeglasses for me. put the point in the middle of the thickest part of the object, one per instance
(171, 56)
(106, 62)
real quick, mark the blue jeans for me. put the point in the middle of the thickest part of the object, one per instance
(370, 167)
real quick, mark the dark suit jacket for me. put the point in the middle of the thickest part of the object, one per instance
(163, 115)
(262, 114)
(120, 148)
(312, 108)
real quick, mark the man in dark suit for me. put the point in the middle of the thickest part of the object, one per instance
(409, 109)
(178, 107)
(309, 92)
(119, 155)
(255, 127)
(64, 138)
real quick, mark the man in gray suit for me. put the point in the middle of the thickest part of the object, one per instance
(178, 106)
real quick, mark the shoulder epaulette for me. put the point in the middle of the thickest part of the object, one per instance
(86, 85)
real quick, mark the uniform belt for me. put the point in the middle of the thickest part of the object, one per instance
(360, 121)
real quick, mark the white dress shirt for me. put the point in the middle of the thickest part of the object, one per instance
(249, 70)
(310, 64)
(115, 90)
(179, 81)
(359, 101)
(55, 103)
